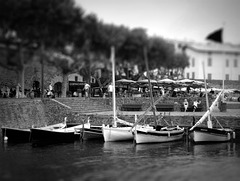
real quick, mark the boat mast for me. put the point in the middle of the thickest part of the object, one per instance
(113, 85)
(209, 122)
(150, 86)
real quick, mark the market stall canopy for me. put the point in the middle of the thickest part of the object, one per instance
(166, 81)
(145, 81)
(185, 81)
(125, 81)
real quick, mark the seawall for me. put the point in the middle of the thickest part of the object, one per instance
(23, 113)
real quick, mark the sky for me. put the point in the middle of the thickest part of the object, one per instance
(188, 20)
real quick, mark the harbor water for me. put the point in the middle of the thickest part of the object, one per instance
(96, 160)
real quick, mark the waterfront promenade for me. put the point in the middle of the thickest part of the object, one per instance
(229, 112)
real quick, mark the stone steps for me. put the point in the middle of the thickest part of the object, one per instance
(83, 105)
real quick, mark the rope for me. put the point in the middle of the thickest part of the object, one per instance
(217, 121)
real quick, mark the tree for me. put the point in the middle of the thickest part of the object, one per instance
(49, 23)
(131, 50)
(63, 62)
(160, 53)
(180, 62)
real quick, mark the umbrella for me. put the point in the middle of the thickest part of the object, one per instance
(125, 81)
(185, 81)
(166, 81)
(145, 81)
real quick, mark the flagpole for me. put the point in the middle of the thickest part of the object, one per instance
(223, 32)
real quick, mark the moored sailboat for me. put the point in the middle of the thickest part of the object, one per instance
(65, 134)
(156, 134)
(114, 132)
(210, 134)
(159, 134)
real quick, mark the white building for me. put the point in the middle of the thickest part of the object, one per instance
(221, 61)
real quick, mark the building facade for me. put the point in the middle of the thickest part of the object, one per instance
(221, 61)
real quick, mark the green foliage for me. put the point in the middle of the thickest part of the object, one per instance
(57, 23)
(51, 22)
(160, 53)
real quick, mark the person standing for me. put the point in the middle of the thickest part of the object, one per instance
(50, 94)
(185, 104)
(18, 91)
(87, 89)
(195, 105)
(110, 89)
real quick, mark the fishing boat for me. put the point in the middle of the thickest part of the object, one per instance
(115, 132)
(15, 134)
(209, 134)
(156, 133)
(24, 134)
(145, 134)
(92, 132)
(66, 134)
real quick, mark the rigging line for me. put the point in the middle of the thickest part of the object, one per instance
(217, 121)
(148, 109)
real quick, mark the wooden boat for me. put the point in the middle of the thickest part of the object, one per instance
(147, 134)
(114, 132)
(46, 136)
(204, 134)
(155, 134)
(117, 133)
(92, 132)
(15, 134)
(24, 135)
(210, 134)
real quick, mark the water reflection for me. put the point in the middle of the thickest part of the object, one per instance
(94, 160)
(215, 149)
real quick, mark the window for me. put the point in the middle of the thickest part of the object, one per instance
(227, 63)
(209, 76)
(235, 63)
(93, 80)
(193, 75)
(187, 75)
(76, 78)
(193, 62)
(209, 62)
(227, 77)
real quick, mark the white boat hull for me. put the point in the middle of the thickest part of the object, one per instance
(209, 135)
(117, 133)
(153, 136)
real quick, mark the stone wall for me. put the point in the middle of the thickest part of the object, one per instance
(23, 113)
(185, 121)
(32, 73)
(55, 113)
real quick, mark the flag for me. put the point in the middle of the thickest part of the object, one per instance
(216, 36)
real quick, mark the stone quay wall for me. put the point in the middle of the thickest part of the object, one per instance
(23, 113)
